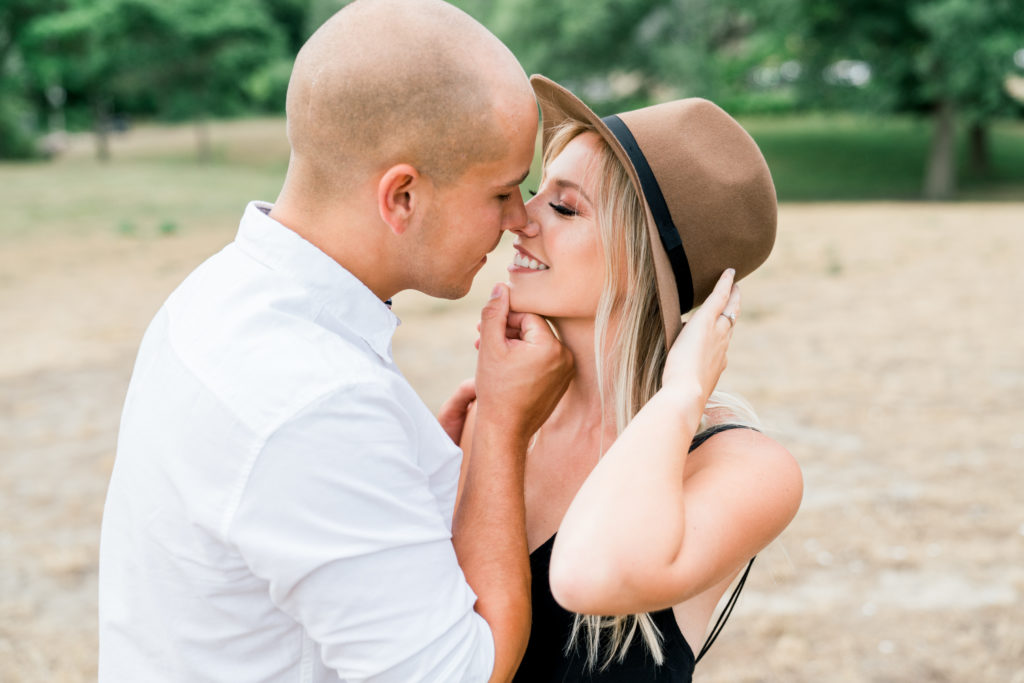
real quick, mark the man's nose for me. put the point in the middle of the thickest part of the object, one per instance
(525, 224)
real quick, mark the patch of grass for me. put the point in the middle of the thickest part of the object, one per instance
(85, 197)
(152, 184)
(847, 157)
(127, 228)
(167, 227)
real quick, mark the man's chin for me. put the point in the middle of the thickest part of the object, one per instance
(449, 291)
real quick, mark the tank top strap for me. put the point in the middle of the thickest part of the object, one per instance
(701, 437)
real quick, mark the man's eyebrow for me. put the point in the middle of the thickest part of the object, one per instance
(568, 183)
(518, 181)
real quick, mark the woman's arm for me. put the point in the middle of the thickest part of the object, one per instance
(638, 536)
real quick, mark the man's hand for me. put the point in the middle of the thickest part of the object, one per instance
(521, 373)
(522, 370)
(453, 413)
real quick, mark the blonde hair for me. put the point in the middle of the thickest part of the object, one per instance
(631, 356)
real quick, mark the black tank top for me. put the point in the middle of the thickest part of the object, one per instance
(548, 661)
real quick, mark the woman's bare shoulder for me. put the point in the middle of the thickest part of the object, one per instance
(748, 461)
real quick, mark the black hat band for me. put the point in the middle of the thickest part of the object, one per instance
(659, 210)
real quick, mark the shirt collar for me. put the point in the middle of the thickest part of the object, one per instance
(336, 291)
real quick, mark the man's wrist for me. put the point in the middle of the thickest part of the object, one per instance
(494, 430)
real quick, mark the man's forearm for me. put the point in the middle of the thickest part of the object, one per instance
(489, 534)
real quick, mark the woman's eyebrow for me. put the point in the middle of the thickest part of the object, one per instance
(575, 186)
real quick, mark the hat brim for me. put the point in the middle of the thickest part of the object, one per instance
(557, 106)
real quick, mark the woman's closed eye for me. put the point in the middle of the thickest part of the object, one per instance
(559, 208)
(562, 209)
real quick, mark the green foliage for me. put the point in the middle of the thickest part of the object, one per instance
(17, 132)
(290, 16)
(919, 52)
(145, 50)
(17, 117)
(968, 53)
(945, 58)
(18, 114)
(268, 85)
(191, 59)
(628, 52)
(319, 11)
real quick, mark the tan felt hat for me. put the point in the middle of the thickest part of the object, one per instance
(709, 196)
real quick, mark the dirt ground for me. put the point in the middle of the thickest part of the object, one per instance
(882, 343)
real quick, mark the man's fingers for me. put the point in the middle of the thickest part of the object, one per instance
(534, 329)
(494, 317)
(515, 319)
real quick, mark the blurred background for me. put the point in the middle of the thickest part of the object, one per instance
(883, 342)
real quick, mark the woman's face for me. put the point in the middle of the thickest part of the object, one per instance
(559, 270)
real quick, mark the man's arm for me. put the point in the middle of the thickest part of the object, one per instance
(522, 371)
(340, 523)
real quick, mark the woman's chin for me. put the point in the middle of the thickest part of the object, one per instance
(516, 302)
(522, 301)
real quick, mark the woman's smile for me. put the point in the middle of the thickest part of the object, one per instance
(525, 262)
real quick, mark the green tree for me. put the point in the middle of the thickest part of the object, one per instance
(17, 110)
(184, 59)
(946, 59)
(627, 52)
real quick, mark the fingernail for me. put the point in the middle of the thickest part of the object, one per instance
(731, 272)
(496, 292)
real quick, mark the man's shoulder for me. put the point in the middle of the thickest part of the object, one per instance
(256, 342)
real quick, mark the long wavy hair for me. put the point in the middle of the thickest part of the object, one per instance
(629, 343)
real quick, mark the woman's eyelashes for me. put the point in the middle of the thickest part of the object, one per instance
(558, 208)
(562, 209)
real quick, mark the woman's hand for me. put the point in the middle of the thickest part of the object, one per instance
(452, 415)
(698, 356)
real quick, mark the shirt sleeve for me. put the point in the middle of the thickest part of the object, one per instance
(340, 521)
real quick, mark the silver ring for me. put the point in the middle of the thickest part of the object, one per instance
(731, 317)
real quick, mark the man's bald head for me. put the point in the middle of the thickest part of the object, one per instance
(399, 81)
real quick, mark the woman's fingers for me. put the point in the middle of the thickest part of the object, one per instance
(720, 294)
(734, 300)
(700, 351)
(731, 310)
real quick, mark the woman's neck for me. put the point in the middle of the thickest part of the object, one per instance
(581, 403)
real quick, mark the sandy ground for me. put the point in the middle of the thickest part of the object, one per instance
(882, 343)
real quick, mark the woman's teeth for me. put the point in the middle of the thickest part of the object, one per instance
(526, 262)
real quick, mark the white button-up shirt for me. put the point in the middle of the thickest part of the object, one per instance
(281, 503)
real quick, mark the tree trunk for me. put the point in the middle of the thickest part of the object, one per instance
(981, 161)
(103, 126)
(204, 151)
(940, 179)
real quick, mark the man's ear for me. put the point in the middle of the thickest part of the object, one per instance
(402, 193)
